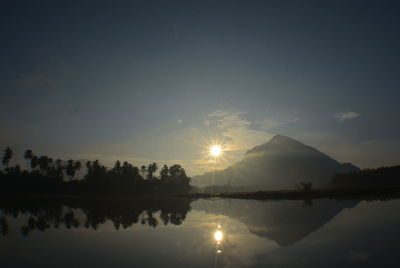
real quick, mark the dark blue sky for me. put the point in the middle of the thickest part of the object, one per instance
(153, 80)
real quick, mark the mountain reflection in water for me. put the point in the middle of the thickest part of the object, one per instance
(285, 222)
(179, 232)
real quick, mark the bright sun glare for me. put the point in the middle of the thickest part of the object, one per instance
(215, 150)
(218, 235)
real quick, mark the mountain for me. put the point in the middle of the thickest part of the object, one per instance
(278, 164)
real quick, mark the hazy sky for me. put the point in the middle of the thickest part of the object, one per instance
(156, 80)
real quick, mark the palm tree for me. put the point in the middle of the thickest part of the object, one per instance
(7, 155)
(70, 169)
(99, 170)
(151, 169)
(28, 156)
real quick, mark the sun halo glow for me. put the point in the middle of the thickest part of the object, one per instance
(215, 150)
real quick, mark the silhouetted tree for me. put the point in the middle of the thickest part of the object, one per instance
(34, 162)
(120, 180)
(70, 169)
(89, 168)
(4, 228)
(44, 163)
(7, 155)
(151, 169)
(99, 169)
(382, 177)
(70, 220)
(129, 171)
(50, 161)
(175, 170)
(77, 166)
(117, 169)
(59, 167)
(28, 156)
(95, 171)
(164, 172)
(175, 181)
(143, 170)
(307, 186)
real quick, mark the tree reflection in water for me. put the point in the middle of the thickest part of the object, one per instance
(42, 214)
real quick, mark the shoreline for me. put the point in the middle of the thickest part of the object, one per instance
(340, 194)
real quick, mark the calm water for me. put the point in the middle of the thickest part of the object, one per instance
(202, 233)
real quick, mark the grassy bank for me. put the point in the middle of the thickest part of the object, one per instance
(352, 194)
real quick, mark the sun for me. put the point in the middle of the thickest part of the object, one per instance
(218, 236)
(215, 150)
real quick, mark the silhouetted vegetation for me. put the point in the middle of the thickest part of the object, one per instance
(383, 177)
(367, 194)
(41, 215)
(306, 186)
(45, 176)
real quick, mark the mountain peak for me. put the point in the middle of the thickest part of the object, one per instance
(277, 140)
(281, 139)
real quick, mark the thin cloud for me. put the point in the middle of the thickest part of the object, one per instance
(238, 130)
(348, 115)
(277, 122)
(368, 142)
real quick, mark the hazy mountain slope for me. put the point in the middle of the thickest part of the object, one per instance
(278, 164)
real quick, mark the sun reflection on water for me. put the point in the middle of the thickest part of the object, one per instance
(218, 237)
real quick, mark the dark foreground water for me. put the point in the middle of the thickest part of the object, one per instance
(202, 233)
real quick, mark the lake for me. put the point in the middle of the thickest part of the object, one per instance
(181, 232)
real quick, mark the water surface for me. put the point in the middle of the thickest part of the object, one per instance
(202, 233)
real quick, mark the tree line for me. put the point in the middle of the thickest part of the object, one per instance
(43, 175)
(382, 177)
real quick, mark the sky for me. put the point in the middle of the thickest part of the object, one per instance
(146, 81)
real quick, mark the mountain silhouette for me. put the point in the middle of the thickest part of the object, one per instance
(286, 222)
(278, 164)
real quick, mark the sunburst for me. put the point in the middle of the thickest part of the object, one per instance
(216, 150)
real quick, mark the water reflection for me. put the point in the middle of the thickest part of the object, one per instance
(40, 214)
(286, 222)
(218, 237)
(205, 233)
